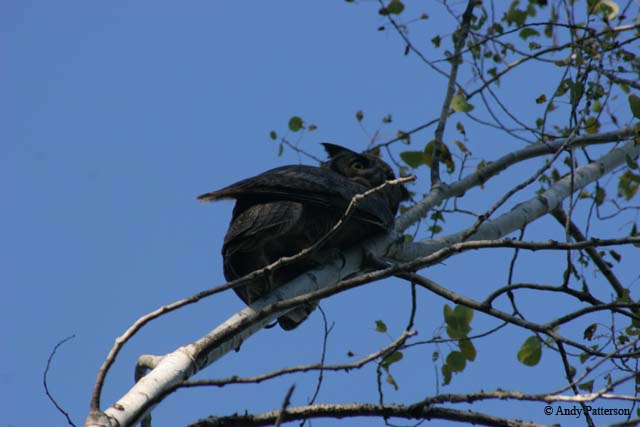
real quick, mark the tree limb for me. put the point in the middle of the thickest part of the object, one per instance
(363, 410)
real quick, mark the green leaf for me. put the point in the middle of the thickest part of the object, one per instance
(462, 147)
(596, 107)
(628, 184)
(514, 15)
(381, 326)
(435, 229)
(592, 125)
(280, 149)
(464, 313)
(359, 115)
(528, 32)
(390, 359)
(448, 313)
(496, 28)
(630, 162)
(588, 333)
(634, 103)
(456, 361)
(608, 8)
(615, 255)
(395, 7)
(586, 386)
(295, 123)
(541, 99)
(460, 104)
(404, 136)
(445, 156)
(312, 127)
(436, 41)
(413, 158)
(577, 90)
(273, 135)
(457, 321)
(599, 196)
(392, 381)
(584, 357)
(467, 349)
(446, 374)
(531, 351)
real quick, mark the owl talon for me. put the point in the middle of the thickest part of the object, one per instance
(271, 325)
(369, 260)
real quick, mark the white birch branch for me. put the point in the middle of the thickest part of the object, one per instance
(187, 360)
(493, 168)
(528, 211)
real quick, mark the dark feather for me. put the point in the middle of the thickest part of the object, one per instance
(287, 209)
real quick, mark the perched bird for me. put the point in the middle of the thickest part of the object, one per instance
(287, 209)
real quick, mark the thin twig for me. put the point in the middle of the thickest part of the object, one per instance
(46, 386)
(460, 36)
(396, 344)
(285, 404)
(577, 235)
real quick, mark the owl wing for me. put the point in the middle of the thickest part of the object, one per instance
(308, 185)
(252, 227)
(252, 239)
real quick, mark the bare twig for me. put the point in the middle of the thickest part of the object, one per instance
(325, 338)
(285, 404)
(593, 254)
(46, 386)
(304, 368)
(460, 36)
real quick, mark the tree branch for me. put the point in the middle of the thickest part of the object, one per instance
(493, 168)
(577, 235)
(304, 368)
(456, 59)
(363, 410)
(520, 215)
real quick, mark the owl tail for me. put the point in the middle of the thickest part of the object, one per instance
(292, 319)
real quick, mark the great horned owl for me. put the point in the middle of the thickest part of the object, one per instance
(285, 210)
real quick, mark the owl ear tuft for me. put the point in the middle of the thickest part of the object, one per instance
(333, 150)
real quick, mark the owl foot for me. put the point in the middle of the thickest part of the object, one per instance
(371, 261)
(271, 325)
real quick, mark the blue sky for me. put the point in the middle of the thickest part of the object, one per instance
(117, 115)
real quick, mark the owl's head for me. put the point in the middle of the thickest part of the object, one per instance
(365, 169)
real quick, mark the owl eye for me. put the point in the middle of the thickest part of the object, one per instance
(358, 164)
